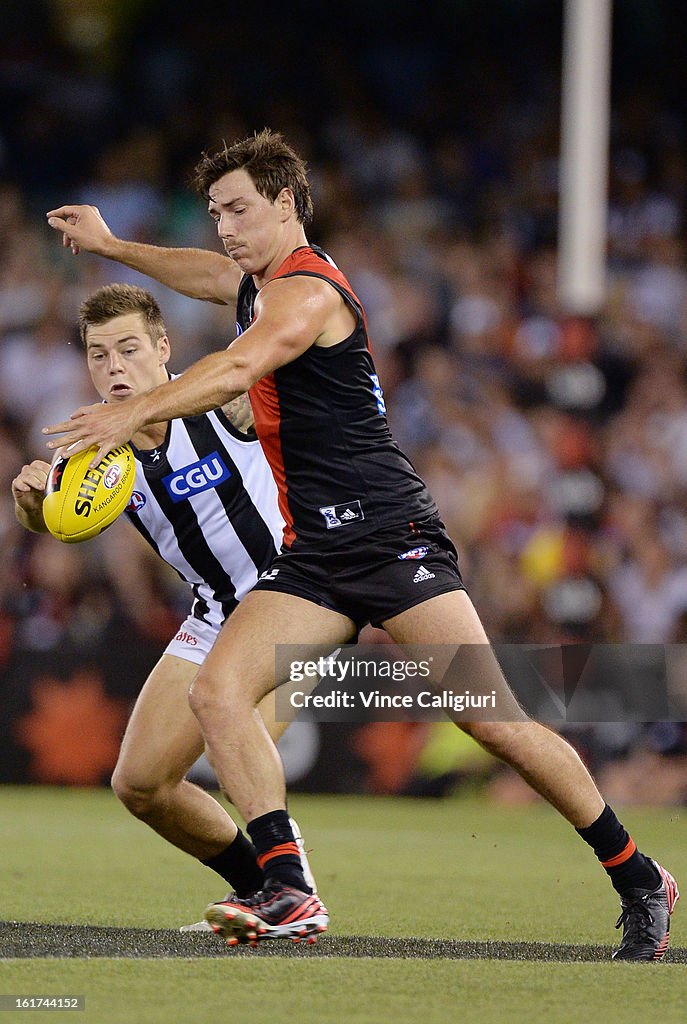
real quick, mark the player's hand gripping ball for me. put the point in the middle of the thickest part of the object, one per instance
(80, 502)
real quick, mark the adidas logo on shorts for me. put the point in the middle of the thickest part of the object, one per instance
(348, 515)
(423, 574)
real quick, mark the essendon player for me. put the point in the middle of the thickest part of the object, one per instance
(354, 507)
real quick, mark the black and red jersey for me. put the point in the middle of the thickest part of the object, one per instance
(322, 424)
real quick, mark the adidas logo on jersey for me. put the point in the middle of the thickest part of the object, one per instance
(423, 574)
(342, 515)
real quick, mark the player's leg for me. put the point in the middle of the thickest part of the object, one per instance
(161, 742)
(549, 764)
(543, 758)
(235, 677)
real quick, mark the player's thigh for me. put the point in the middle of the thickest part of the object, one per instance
(462, 656)
(243, 660)
(450, 618)
(162, 738)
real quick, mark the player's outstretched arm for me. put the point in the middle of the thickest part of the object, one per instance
(28, 490)
(291, 315)
(198, 273)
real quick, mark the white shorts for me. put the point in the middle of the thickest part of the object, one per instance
(193, 640)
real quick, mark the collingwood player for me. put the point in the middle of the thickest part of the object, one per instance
(363, 540)
(205, 500)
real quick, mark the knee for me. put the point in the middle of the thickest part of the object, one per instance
(209, 696)
(141, 798)
(203, 696)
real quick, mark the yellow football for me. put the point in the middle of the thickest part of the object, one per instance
(80, 502)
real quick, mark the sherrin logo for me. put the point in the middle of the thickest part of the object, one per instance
(200, 476)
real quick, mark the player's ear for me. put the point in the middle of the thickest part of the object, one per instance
(164, 349)
(286, 203)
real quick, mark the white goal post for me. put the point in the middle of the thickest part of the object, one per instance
(583, 195)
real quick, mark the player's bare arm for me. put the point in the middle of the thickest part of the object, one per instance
(28, 489)
(291, 314)
(198, 273)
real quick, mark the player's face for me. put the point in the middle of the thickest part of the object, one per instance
(123, 361)
(248, 224)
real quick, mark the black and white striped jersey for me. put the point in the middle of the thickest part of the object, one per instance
(206, 501)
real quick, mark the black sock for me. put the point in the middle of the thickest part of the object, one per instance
(625, 865)
(278, 853)
(238, 865)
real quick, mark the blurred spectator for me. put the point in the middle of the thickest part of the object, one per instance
(650, 592)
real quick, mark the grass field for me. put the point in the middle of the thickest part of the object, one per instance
(510, 906)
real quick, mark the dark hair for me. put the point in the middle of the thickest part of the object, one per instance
(117, 300)
(271, 163)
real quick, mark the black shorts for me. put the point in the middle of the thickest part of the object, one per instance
(374, 578)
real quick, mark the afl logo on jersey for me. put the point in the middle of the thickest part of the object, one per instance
(198, 477)
(136, 502)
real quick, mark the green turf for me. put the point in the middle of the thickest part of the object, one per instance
(453, 869)
(345, 992)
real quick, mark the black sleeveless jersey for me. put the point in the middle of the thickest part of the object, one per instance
(322, 423)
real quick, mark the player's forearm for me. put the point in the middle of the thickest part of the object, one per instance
(198, 273)
(31, 519)
(208, 384)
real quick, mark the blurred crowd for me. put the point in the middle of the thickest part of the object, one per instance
(556, 448)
